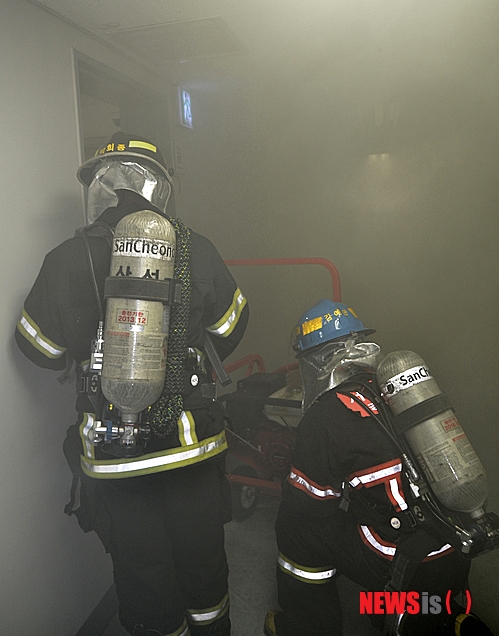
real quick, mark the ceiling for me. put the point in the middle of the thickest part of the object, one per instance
(391, 60)
(292, 39)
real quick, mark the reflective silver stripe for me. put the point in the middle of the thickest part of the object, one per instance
(187, 429)
(397, 495)
(299, 481)
(85, 428)
(444, 548)
(308, 575)
(397, 626)
(32, 332)
(389, 550)
(156, 462)
(207, 616)
(226, 324)
(357, 480)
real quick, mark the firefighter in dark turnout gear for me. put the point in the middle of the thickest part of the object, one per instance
(160, 513)
(345, 508)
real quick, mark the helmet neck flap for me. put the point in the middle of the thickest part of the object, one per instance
(113, 175)
(126, 162)
(325, 367)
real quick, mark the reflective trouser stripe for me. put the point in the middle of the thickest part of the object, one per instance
(182, 631)
(458, 623)
(307, 575)
(397, 623)
(209, 615)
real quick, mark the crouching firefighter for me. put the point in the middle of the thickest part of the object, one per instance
(147, 309)
(357, 502)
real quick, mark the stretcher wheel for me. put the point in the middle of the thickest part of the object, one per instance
(243, 498)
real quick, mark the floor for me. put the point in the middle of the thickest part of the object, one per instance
(252, 552)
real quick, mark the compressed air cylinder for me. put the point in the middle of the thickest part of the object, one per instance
(439, 443)
(136, 331)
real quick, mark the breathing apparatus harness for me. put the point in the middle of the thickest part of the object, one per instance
(162, 416)
(469, 537)
(426, 523)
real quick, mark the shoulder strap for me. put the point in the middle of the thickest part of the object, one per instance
(98, 228)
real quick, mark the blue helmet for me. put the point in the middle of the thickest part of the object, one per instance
(326, 321)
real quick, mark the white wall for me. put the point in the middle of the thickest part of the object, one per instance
(52, 574)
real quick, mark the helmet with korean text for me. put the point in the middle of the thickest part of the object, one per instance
(326, 321)
(126, 162)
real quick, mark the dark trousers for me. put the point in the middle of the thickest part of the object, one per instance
(310, 609)
(166, 539)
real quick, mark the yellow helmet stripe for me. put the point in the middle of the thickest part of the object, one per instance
(142, 144)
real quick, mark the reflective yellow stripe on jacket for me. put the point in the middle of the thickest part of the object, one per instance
(225, 326)
(191, 451)
(32, 332)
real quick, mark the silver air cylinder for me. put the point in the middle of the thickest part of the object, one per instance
(426, 419)
(136, 331)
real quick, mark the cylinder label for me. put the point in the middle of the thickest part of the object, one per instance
(140, 247)
(449, 460)
(449, 424)
(134, 342)
(132, 316)
(405, 380)
(149, 354)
